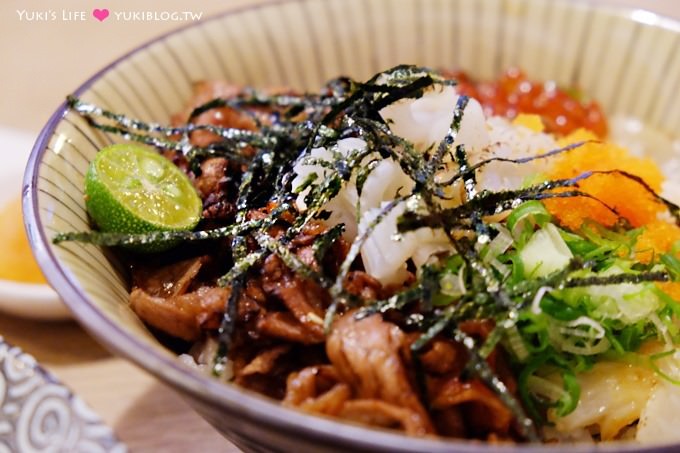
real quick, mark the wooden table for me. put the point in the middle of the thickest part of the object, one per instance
(43, 61)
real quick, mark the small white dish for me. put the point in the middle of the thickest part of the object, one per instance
(28, 300)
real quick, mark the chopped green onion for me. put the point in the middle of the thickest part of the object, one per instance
(545, 388)
(516, 344)
(453, 284)
(582, 336)
(559, 309)
(661, 329)
(500, 244)
(654, 358)
(672, 264)
(525, 216)
(546, 252)
(569, 400)
(536, 303)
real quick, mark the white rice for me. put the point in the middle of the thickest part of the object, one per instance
(424, 122)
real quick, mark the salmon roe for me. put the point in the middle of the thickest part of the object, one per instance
(566, 114)
(513, 93)
(628, 197)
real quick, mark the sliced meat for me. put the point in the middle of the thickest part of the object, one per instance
(182, 316)
(216, 206)
(167, 281)
(485, 412)
(329, 403)
(333, 257)
(450, 422)
(213, 176)
(251, 302)
(215, 185)
(361, 284)
(224, 116)
(205, 91)
(309, 233)
(306, 255)
(376, 412)
(264, 362)
(480, 328)
(366, 356)
(305, 299)
(284, 326)
(316, 389)
(443, 356)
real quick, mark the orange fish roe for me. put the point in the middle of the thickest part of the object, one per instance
(656, 238)
(628, 197)
(672, 289)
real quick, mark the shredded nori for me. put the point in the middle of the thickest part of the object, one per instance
(348, 108)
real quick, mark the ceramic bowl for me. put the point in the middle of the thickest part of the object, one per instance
(624, 58)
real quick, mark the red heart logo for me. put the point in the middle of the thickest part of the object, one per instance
(100, 14)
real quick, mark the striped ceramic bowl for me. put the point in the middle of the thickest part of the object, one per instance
(624, 58)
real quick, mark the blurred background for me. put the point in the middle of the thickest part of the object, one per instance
(44, 57)
(45, 60)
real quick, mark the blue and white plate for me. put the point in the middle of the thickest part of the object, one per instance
(39, 414)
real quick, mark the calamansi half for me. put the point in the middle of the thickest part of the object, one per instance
(130, 188)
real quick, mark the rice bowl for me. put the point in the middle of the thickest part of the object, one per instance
(171, 373)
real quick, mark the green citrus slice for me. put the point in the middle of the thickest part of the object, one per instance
(130, 188)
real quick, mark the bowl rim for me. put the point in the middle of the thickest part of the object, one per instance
(236, 400)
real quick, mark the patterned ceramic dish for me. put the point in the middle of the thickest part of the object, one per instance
(37, 413)
(625, 58)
